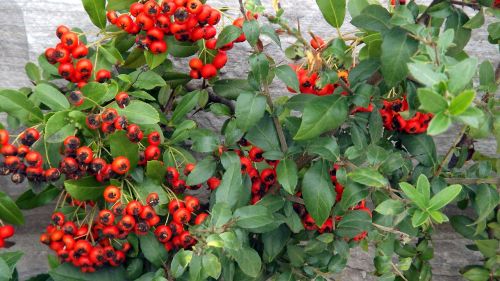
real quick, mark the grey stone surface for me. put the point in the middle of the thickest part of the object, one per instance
(27, 27)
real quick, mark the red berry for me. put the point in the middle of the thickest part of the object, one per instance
(154, 138)
(61, 30)
(112, 193)
(6, 231)
(120, 165)
(208, 71)
(102, 75)
(122, 99)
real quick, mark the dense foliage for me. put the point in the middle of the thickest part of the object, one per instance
(344, 158)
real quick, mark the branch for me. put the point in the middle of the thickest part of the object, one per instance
(467, 181)
(450, 151)
(474, 6)
(213, 97)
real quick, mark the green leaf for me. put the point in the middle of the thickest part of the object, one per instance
(230, 187)
(476, 21)
(353, 223)
(477, 274)
(259, 65)
(251, 29)
(461, 102)
(187, 104)
(424, 188)
(155, 170)
(444, 197)
(287, 175)
(68, 272)
(180, 262)
(439, 124)
(204, 140)
(461, 74)
(95, 92)
(424, 74)
(321, 115)
(154, 60)
(139, 112)
(368, 176)
(33, 72)
(264, 135)
(390, 207)
(152, 249)
(228, 35)
(270, 32)
(249, 261)
(419, 218)
(58, 127)
(202, 171)
(487, 76)
(288, 76)
(462, 35)
(121, 146)
(397, 50)
(352, 194)
(318, 192)
(274, 242)
(96, 11)
(431, 101)
(355, 7)
(87, 188)
(485, 201)
(180, 49)
(464, 226)
(5, 272)
(422, 147)
(326, 147)
(250, 108)
(9, 212)
(411, 192)
(487, 247)
(51, 97)
(211, 265)
(31, 200)
(253, 217)
(147, 80)
(333, 11)
(373, 18)
(231, 88)
(11, 259)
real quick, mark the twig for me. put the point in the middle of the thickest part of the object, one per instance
(494, 181)
(474, 6)
(213, 97)
(450, 151)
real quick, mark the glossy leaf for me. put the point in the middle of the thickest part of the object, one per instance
(321, 115)
(9, 212)
(96, 11)
(287, 175)
(318, 192)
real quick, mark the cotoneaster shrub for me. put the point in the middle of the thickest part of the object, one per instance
(288, 185)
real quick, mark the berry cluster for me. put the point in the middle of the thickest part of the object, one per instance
(88, 246)
(394, 121)
(308, 82)
(218, 60)
(20, 161)
(174, 235)
(6, 231)
(71, 55)
(186, 20)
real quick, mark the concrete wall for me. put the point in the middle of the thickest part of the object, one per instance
(27, 27)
